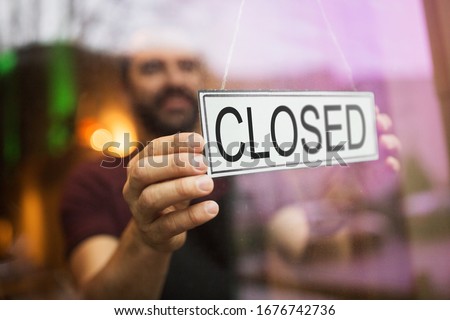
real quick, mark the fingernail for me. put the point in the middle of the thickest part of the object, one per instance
(205, 183)
(393, 163)
(212, 207)
(387, 142)
(380, 125)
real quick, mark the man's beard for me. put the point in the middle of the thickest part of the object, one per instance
(160, 122)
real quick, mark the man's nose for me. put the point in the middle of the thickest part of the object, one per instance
(175, 76)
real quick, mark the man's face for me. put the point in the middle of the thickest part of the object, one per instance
(163, 88)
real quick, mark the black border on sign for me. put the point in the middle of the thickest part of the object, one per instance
(243, 93)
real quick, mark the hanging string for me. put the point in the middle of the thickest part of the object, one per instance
(231, 50)
(348, 69)
(333, 37)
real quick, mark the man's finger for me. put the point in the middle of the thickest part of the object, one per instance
(393, 164)
(177, 222)
(390, 143)
(384, 122)
(157, 197)
(190, 142)
(155, 169)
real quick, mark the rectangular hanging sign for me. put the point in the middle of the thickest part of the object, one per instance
(257, 131)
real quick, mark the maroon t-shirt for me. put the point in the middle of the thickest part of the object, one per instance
(92, 204)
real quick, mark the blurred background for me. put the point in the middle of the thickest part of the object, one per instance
(61, 100)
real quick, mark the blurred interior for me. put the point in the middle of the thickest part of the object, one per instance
(61, 100)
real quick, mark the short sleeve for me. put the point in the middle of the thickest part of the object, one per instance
(92, 203)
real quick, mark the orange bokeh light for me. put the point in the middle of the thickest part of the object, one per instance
(100, 138)
(111, 125)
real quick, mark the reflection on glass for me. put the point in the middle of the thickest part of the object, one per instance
(362, 231)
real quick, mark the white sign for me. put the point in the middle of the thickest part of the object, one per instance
(258, 131)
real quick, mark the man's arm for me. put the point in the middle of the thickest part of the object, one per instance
(109, 268)
(161, 181)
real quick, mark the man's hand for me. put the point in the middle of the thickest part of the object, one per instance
(380, 179)
(370, 181)
(389, 143)
(162, 180)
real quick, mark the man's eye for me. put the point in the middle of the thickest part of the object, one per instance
(188, 65)
(151, 67)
